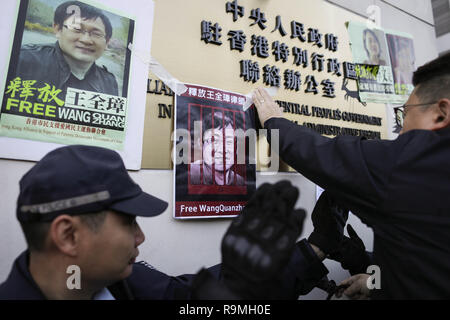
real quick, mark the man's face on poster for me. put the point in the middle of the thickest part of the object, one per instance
(81, 39)
(213, 143)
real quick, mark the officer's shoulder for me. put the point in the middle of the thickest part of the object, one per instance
(3, 291)
(145, 264)
(144, 269)
(417, 136)
(11, 290)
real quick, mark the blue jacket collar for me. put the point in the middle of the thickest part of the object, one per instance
(20, 284)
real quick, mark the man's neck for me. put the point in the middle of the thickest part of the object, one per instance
(78, 68)
(49, 273)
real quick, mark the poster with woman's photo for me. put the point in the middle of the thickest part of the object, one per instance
(68, 75)
(214, 174)
(384, 63)
(372, 63)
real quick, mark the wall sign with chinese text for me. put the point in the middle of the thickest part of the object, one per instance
(301, 47)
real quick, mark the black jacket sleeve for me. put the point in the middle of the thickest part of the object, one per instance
(299, 277)
(353, 168)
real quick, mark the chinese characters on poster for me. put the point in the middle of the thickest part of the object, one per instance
(68, 75)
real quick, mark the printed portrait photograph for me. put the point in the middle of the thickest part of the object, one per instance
(402, 59)
(216, 152)
(369, 45)
(71, 44)
(217, 146)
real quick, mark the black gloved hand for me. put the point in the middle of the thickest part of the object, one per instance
(259, 243)
(352, 254)
(328, 219)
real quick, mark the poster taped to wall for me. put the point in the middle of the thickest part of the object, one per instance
(214, 171)
(384, 63)
(68, 74)
(401, 51)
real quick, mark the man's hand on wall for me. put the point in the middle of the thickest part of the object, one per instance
(266, 107)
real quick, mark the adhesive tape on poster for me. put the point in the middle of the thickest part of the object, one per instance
(272, 91)
(154, 66)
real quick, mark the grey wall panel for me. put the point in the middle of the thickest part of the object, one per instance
(443, 43)
(419, 8)
(424, 36)
(356, 6)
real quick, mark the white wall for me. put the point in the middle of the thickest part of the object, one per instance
(177, 247)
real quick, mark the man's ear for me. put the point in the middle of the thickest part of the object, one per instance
(64, 233)
(442, 114)
(57, 30)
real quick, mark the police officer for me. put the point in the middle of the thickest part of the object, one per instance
(399, 188)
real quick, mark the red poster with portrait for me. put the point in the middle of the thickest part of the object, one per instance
(214, 175)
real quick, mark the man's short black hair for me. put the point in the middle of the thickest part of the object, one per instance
(86, 11)
(36, 232)
(433, 79)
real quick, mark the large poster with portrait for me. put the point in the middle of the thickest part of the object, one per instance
(214, 141)
(384, 63)
(401, 51)
(372, 63)
(68, 75)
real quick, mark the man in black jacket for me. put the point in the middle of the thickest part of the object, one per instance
(399, 188)
(77, 207)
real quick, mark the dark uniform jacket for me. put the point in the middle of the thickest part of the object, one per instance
(399, 188)
(46, 64)
(302, 273)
